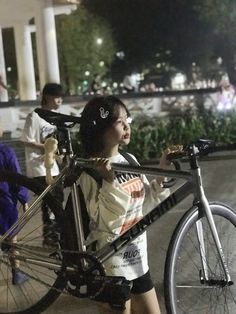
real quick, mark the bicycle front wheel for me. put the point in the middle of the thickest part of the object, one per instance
(185, 290)
(36, 285)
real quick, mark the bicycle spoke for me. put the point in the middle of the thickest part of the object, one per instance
(189, 292)
(44, 283)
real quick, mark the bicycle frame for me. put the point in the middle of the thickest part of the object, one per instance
(192, 186)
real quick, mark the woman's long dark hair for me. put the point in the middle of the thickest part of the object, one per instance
(98, 116)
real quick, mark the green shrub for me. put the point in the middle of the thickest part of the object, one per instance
(150, 136)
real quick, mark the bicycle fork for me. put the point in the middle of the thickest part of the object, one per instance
(205, 209)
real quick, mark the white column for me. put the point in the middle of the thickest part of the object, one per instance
(25, 63)
(3, 91)
(47, 44)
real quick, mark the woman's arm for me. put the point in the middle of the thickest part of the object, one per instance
(13, 165)
(107, 205)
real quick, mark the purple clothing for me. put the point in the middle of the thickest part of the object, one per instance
(10, 193)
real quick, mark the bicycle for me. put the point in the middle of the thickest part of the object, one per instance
(207, 286)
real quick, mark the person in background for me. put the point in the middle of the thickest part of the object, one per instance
(10, 194)
(128, 83)
(226, 99)
(2, 86)
(96, 85)
(121, 200)
(36, 131)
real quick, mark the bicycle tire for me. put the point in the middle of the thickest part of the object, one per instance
(184, 292)
(44, 285)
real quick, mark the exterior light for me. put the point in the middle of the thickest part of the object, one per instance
(99, 41)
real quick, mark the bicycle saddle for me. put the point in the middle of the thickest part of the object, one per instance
(58, 119)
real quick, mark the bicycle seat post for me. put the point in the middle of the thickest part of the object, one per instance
(67, 143)
(193, 150)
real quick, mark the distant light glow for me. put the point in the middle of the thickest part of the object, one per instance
(178, 81)
(219, 60)
(120, 55)
(99, 41)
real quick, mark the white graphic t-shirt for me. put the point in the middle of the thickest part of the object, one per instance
(113, 209)
(36, 130)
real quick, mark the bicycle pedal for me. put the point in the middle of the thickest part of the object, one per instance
(110, 289)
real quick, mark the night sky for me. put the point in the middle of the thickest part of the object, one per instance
(144, 28)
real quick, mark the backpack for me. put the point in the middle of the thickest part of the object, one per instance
(84, 213)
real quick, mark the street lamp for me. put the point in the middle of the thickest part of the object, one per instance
(99, 41)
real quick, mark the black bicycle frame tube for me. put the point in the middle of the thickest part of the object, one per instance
(89, 163)
(175, 198)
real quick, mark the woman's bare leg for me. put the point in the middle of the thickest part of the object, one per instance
(145, 303)
(105, 308)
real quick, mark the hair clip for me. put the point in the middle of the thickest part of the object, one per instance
(103, 114)
(129, 120)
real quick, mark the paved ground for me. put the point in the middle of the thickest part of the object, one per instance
(219, 180)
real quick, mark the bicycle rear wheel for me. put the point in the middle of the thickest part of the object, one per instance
(184, 291)
(44, 283)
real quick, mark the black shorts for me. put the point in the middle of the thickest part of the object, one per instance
(142, 284)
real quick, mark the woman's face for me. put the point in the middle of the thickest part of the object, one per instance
(119, 133)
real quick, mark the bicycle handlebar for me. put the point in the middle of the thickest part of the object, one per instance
(204, 148)
(58, 119)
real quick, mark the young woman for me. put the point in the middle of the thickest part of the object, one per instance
(120, 201)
